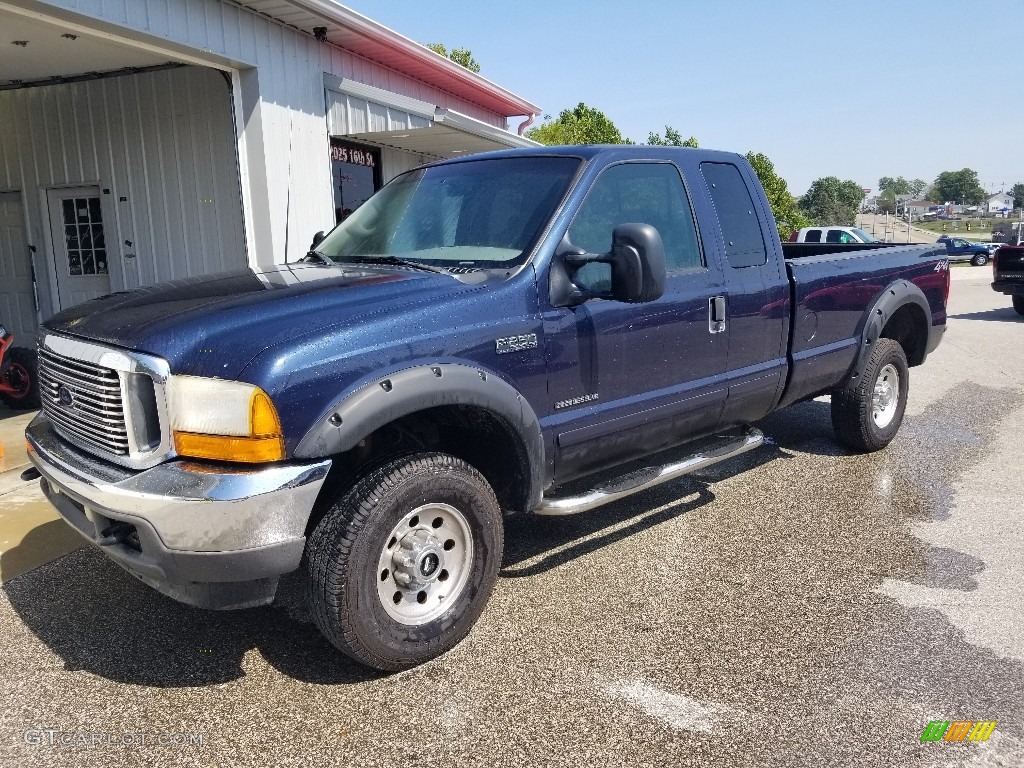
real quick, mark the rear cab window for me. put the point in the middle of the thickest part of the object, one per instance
(741, 229)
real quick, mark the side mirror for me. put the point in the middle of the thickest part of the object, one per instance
(638, 264)
(317, 239)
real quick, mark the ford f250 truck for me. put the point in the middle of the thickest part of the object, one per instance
(479, 333)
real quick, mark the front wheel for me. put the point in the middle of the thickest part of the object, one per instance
(1018, 304)
(401, 566)
(20, 389)
(868, 411)
(980, 260)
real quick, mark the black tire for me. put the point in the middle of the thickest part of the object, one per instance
(23, 374)
(852, 405)
(1018, 304)
(344, 551)
(979, 260)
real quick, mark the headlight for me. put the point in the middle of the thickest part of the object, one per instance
(224, 420)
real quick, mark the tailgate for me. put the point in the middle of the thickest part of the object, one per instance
(1008, 264)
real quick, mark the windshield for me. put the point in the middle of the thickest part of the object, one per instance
(484, 213)
(864, 236)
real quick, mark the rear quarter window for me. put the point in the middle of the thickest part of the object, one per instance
(741, 229)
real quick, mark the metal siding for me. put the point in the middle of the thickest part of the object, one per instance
(164, 140)
(396, 161)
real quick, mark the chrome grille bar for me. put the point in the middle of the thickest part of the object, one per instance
(94, 413)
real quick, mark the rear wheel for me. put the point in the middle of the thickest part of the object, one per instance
(401, 566)
(980, 260)
(1018, 304)
(867, 413)
(21, 382)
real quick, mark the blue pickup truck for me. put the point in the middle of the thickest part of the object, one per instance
(958, 249)
(479, 333)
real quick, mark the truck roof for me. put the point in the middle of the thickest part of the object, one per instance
(590, 151)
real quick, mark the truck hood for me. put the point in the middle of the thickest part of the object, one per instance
(214, 325)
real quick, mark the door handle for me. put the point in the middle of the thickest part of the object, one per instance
(716, 314)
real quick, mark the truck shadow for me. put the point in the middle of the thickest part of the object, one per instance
(99, 619)
(1003, 315)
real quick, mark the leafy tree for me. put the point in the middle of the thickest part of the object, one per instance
(462, 56)
(959, 186)
(1018, 194)
(918, 187)
(832, 202)
(581, 125)
(672, 139)
(886, 202)
(788, 217)
(897, 186)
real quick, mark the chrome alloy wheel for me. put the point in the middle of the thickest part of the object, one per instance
(885, 397)
(425, 564)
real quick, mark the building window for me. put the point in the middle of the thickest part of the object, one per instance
(355, 175)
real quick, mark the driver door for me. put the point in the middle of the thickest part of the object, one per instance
(628, 379)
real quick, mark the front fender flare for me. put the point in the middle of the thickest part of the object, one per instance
(361, 412)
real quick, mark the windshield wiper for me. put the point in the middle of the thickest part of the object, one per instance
(310, 255)
(397, 262)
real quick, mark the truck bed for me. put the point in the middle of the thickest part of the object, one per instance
(829, 295)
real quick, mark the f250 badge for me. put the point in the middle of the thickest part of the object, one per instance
(515, 343)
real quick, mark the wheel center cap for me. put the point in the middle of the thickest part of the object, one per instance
(418, 560)
(429, 564)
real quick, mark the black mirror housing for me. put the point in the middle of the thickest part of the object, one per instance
(317, 239)
(637, 260)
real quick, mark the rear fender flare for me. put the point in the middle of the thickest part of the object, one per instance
(896, 296)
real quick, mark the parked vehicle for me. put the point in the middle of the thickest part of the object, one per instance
(1008, 274)
(958, 249)
(19, 387)
(831, 235)
(480, 332)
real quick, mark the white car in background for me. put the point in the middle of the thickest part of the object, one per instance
(831, 235)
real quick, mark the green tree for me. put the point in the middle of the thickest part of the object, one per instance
(886, 202)
(832, 202)
(898, 186)
(1018, 194)
(788, 217)
(672, 139)
(918, 187)
(580, 125)
(462, 56)
(959, 186)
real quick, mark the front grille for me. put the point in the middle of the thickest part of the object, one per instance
(91, 410)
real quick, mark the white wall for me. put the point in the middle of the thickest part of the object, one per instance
(163, 140)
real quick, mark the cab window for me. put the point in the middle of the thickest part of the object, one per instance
(636, 193)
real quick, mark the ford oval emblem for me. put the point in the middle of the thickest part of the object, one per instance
(65, 396)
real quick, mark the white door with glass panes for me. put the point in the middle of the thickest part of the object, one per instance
(79, 244)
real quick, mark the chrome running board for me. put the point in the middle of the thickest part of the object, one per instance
(648, 477)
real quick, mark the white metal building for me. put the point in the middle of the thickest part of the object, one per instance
(149, 140)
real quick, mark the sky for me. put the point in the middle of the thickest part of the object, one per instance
(827, 88)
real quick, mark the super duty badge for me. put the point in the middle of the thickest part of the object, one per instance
(515, 343)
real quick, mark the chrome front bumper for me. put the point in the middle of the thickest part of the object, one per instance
(211, 535)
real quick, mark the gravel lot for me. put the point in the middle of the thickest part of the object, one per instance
(794, 607)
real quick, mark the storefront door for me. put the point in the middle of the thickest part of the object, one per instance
(355, 175)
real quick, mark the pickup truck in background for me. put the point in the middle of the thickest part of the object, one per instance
(831, 235)
(958, 249)
(1008, 274)
(479, 333)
